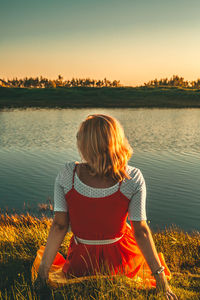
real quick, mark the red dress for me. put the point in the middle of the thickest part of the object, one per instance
(100, 219)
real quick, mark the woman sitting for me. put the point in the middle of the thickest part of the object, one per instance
(95, 197)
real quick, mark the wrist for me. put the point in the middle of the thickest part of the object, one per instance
(44, 266)
(159, 276)
(158, 271)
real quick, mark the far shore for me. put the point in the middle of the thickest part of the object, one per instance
(122, 97)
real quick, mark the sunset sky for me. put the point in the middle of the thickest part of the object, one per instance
(133, 41)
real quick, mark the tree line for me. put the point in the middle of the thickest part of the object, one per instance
(174, 81)
(42, 82)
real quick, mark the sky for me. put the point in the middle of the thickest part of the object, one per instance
(133, 41)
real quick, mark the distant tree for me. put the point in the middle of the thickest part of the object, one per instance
(93, 83)
(116, 83)
(105, 82)
(98, 83)
(60, 78)
(174, 81)
(59, 81)
(87, 82)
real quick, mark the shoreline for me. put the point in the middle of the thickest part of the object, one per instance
(45, 212)
(122, 97)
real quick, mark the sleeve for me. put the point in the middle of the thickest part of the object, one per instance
(137, 205)
(60, 203)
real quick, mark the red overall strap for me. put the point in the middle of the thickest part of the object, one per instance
(119, 185)
(74, 173)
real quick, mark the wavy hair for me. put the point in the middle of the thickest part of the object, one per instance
(103, 145)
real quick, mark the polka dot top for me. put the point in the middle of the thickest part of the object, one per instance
(134, 189)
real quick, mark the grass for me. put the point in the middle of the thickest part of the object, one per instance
(149, 97)
(22, 235)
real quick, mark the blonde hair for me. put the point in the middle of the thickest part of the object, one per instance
(103, 145)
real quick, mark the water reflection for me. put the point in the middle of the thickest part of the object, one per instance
(34, 144)
(147, 129)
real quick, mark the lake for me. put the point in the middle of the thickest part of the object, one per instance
(36, 143)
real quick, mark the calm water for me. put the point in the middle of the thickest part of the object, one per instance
(35, 144)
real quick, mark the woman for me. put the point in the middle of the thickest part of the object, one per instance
(95, 197)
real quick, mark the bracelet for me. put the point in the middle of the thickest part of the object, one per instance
(158, 271)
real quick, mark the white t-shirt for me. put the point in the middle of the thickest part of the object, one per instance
(134, 189)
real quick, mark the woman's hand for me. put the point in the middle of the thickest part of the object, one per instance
(42, 288)
(56, 235)
(39, 283)
(163, 286)
(146, 244)
(43, 273)
(42, 278)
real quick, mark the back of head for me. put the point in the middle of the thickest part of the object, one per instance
(103, 145)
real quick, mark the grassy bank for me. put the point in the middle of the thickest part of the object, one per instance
(22, 235)
(99, 97)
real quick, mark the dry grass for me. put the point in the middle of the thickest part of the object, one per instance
(22, 235)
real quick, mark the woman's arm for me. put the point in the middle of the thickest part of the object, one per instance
(145, 241)
(146, 244)
(56, 235)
